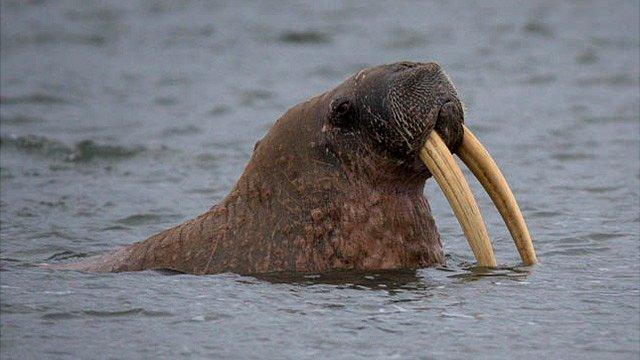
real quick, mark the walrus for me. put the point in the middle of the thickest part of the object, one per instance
(337, 184)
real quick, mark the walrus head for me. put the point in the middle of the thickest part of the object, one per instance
(387, 112)
(397, 105)
(356, 158)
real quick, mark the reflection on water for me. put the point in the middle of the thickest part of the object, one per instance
(380, 280)
(120, 119)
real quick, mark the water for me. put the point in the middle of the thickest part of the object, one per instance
(124, 118)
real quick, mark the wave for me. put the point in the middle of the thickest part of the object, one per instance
(66, 255)
(35, 98)
(84, 150)
(304, 37)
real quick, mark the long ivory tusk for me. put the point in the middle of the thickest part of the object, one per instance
(448, 175)
(478, 160)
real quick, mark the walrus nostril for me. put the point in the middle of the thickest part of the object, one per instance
(449, 124)
(449, 113)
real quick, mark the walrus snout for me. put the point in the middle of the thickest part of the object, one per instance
(401, 103)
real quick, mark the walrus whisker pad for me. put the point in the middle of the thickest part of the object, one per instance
(449, 177)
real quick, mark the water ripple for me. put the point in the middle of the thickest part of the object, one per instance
(34, 99)
(82, 151)
(127, 313)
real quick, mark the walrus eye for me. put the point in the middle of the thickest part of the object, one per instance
(341, 110)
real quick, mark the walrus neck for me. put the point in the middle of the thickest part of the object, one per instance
(325, 222)
(292, 210)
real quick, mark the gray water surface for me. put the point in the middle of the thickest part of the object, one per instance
(119, 119)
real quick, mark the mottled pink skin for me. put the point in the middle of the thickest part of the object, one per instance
(308, 201)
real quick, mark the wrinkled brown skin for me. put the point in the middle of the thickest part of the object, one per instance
(314, 197)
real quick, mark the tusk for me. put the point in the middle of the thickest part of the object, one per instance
(448, 175)
(477, 158)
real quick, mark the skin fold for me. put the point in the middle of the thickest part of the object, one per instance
(336, 184)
